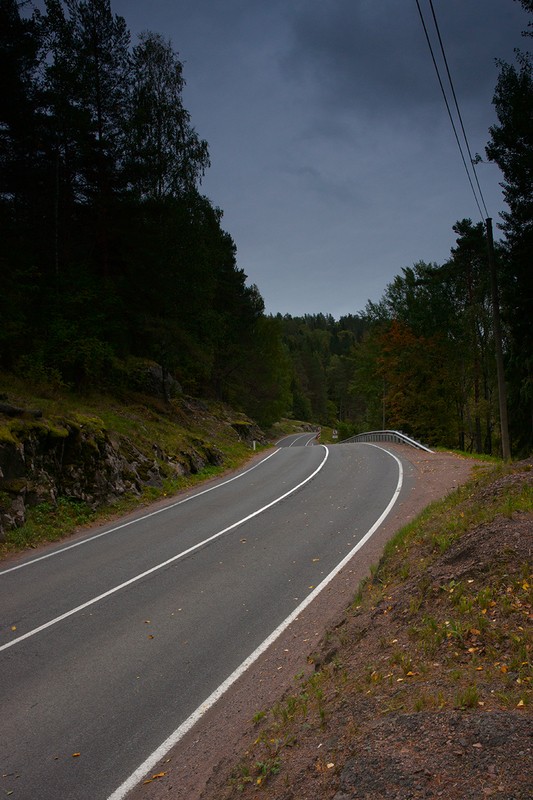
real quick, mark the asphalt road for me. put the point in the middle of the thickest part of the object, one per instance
(108, 644)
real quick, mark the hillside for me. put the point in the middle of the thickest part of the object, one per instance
(68, 460)
(423, 689)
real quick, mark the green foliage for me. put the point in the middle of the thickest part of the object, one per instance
(511, 147)
(320, 350)
(49, 522)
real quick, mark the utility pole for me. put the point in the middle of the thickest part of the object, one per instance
(502, 394)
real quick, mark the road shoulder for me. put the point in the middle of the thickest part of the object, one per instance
(198, 767)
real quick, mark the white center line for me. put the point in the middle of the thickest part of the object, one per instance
(157, 567)
(148, 765)
(136, 520)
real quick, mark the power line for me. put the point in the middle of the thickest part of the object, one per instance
(457, 107)
(449, 110)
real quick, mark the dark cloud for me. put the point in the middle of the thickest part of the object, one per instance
(332, 155)
(372, 57)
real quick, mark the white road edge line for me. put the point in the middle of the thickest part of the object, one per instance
(157, 567)
(138, 519)
(152, 760)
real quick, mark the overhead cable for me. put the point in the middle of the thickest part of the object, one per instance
(449, 111)
(457, 107)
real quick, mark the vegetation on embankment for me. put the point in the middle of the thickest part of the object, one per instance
(68, 460)
(425, 687)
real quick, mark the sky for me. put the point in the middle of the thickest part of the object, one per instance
(333, 158)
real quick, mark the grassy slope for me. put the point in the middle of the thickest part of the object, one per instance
(443, 627)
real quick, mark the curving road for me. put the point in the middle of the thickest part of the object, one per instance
(110, 645)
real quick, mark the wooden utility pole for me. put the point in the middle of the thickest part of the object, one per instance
(502, 394)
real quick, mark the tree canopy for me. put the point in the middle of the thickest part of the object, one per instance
(109, 249)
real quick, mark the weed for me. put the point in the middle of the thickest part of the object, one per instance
(431, 634)
(415, 604)
(484, 597)
(456, 630)
(425, 701)
(468, 698)
(402, 659)
(271, 766)
(464, 605)
(443, 541)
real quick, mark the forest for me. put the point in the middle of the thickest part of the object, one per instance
(110, 255)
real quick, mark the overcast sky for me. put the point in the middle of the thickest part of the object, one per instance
(333, 158)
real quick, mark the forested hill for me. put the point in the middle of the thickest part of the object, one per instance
(111, 256)
(109, 250)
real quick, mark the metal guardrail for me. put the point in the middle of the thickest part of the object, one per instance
(387, 436)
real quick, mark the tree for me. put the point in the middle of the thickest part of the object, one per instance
(511, 147)
(467, 276)
(416, 373)
(166, 157)
(425, 364)
(20, 180)
(265, 391)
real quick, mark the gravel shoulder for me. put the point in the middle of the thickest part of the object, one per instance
(200, 767)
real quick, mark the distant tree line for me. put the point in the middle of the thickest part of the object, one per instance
(110, 253)
(421, 360)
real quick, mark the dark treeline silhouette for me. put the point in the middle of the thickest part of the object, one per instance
(110, 254)
(109, 250)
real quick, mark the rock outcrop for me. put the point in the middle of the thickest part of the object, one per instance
(81, 460)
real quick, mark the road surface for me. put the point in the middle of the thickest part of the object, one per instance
(110, 643)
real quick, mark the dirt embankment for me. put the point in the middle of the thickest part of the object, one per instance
(419, 689)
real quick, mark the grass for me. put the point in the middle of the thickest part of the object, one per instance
(177, 432)
(47, 523)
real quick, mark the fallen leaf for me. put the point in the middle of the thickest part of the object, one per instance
(520, 704)
(150, 636)
(158, 775)
(75, 755)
